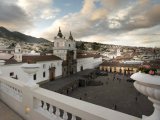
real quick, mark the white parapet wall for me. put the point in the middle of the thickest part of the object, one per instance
(35, 103)
(88, 63)
(16, 70)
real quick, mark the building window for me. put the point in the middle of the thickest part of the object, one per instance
(44, 74)
(11, 74)
(34, 77)
(69, 45)
(44, 66)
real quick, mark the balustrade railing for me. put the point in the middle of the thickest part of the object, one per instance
(55, 106)
(35, 103)
(11, 89)
(52, 111)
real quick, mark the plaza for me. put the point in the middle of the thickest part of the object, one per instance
(117, 93)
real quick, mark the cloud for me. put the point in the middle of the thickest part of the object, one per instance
(49, 13)
(147, 19)
(106, 21)
(80, 23)
(99, 14)
(88, 6)
(13, 17)
(144, 2)
(73, 22)
(39, 9)
(91, 19)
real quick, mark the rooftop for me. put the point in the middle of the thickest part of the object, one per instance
(38, 58)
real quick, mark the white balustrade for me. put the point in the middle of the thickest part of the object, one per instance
(50, 112)
(12, 91)
(48, 105)
(59, 107)
(73, 117)
(65, 116)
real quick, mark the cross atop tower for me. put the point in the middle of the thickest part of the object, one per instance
(70, 36)
(60, 33)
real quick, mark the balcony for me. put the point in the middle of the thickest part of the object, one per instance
(35, 103)
(41, 104)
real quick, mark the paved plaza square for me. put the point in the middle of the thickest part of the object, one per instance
(116, 93)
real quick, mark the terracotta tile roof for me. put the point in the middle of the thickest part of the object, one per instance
(124, 57)
(84, 56)
(11, 61)
(37, 58)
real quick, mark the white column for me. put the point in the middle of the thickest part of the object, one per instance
(73, 117)
(65, 116)
(31, 69)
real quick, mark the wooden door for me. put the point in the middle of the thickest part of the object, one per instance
(52, 73)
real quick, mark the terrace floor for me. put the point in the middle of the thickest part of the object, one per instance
(7, 113)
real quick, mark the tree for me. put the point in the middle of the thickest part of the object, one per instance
(82, 46)
(95, 46)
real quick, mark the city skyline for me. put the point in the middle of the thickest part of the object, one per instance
(126, 22)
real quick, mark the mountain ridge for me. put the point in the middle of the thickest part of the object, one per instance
(20, 37)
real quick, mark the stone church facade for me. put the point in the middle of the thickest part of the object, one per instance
(66, 50)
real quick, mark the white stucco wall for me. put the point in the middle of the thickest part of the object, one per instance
(88, 63)
(16, 68)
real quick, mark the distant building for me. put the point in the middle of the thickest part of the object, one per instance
(117, 67)
(5, 49)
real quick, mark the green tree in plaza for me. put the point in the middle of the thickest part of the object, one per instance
(95, 46)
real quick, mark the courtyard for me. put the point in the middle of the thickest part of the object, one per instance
(117, 92)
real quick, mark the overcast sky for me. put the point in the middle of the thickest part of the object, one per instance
(122, 22)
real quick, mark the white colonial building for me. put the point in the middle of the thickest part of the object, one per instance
(64, 61)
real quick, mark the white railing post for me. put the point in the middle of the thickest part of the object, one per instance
(57, 112)
(65, 116)
(73, 117)
(28, 89)
(51, 109)
(30, 69)
(2, 62)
